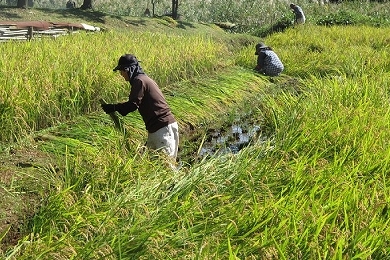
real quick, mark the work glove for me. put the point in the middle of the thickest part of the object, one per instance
(108, 108)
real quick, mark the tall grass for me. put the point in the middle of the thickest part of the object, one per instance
(330, 52)
(45, 82)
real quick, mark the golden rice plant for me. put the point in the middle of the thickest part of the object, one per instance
(48, 81)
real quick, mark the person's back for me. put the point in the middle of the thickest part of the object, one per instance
(153, 108)
(272, 65)
(268, 61)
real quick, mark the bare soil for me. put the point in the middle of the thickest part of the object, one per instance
(19, 191)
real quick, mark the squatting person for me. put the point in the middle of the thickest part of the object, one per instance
(268, 62)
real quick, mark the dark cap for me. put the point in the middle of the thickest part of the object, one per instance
(126, 61)
(260, 46)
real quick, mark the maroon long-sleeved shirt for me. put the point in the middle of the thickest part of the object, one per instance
(146, 96)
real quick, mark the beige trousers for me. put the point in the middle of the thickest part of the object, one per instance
(300, 21)
(166, 139)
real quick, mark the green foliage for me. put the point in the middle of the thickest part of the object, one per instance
(340, 18)
(344, 17)
(248, 16)
(52, 92)
(352, 13)
(280, 25)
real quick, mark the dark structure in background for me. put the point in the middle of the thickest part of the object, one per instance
(29, 30)
(153, 4)
(87, 4)
(21, 4)
(70, 4)
(175, 6)
(174, 10)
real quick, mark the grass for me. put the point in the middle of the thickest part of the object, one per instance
(69, 82)
(316, 188)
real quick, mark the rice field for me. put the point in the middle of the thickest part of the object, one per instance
(65, 78)
(317, 188)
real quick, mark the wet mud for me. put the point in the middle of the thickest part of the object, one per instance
(239, 128)
(229, 139)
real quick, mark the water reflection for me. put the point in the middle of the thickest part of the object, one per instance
(228, 140)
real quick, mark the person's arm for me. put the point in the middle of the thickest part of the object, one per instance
(135, 98)
(260, 61)
(125, 108)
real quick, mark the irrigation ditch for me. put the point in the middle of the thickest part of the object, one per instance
(230, 139)
(237, 128)
(231, 136)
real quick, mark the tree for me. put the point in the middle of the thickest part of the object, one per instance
(175, 6)
(153, 3)
(87, 4)
(22, 4)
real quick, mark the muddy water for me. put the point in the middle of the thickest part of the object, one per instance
(229, 139)
(245, 127)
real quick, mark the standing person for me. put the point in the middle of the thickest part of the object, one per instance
(146, 96)
(268, 62)
(299, 15)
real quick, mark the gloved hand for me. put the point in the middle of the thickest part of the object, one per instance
(108, 108)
